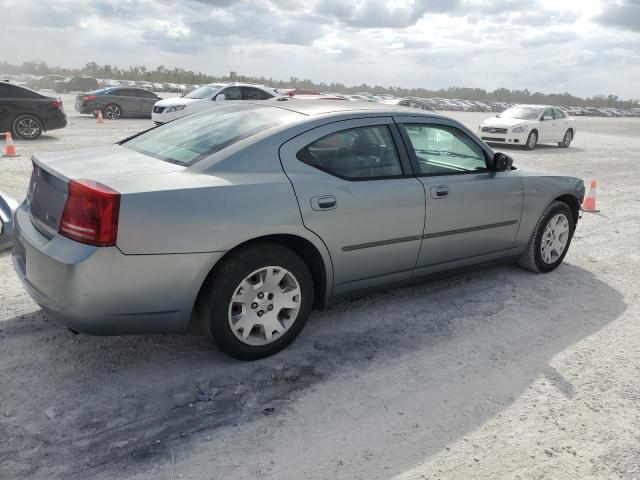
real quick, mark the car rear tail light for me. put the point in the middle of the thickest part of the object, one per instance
(89, 98)
(58, 103)
(91, 213)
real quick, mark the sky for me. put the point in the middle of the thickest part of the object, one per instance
(585, 47)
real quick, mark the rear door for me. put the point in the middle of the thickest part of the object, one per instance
(470, 211)
(128, 101)
(7, 107)
(356, 192)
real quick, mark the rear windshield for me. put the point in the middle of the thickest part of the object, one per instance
(190, 139)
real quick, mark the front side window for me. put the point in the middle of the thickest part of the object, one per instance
(231, 93)
(444, 150)
(356, 154)
(547, 114)
(206, 91)
(187, 140)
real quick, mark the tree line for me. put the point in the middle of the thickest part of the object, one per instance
(163, 74)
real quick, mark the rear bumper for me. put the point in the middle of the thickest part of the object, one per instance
(55, 121)
(101, 291)
(86, 107)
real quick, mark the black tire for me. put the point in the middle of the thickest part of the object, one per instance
(567, 139)
(531, 141)
(27, 127)
(213, 305)
(532, 259)
(113, 111)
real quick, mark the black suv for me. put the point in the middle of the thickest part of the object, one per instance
(76, 84)
(27, 114)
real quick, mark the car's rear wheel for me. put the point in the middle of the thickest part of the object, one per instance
(550, 240)
(532, 140)
(257, 301)
(567, 139)
(112, 111)
(27, 127)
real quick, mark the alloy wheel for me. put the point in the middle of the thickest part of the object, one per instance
(112, 112)
(555, 238)
(568, 137)
(264, 305)
(28, 128)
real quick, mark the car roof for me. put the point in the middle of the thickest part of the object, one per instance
(534, 105)
(329, 107)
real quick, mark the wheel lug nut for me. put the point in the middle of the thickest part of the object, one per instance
(260, 313)
(261, 295)
(270, 296)
(270, 307)
(254, 305)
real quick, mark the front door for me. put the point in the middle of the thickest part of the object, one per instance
(547, 126)
(355, 191)
(472, 212)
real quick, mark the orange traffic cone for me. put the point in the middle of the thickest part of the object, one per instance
(589, 204)
(9, 147)
(100, 119)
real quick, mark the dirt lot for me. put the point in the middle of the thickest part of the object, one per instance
(498, 373)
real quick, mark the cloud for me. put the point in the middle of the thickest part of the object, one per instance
(375, 14)
(538, 44)
(623, 14)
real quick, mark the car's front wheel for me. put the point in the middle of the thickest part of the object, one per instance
(532, 140)
(257, 301)
(550, 240)
(567, 139)
(27, 127)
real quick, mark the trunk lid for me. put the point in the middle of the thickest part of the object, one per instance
(52, 171)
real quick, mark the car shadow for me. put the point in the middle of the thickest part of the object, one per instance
(79, 406)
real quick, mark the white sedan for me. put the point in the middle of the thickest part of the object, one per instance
(528, 125)
(206, 97)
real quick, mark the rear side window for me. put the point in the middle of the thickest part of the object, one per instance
(355, 154)
(251, 93)
(558, 114)
(13, 91)
(187, 140)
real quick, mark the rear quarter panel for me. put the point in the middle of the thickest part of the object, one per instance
(243, 197)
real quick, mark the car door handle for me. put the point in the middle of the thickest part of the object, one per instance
(325, 202)
(439, 191)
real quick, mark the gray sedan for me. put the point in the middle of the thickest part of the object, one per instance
(243, 218)
(117, 102)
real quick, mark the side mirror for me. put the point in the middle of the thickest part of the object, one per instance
(220, 97)
(502, 162)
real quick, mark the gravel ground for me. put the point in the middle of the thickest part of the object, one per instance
(498, 373)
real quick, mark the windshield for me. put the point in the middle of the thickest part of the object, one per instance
(206, 91)
(190, 139)
(523, 113)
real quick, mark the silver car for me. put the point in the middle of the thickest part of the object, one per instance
(244, 218)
